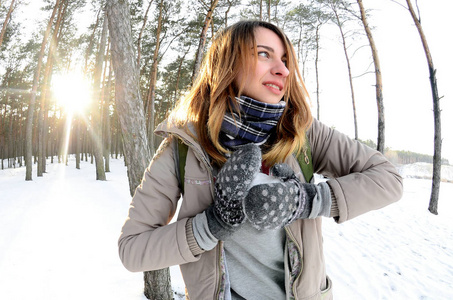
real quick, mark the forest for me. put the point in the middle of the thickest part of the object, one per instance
(57, 92)
(99, 90)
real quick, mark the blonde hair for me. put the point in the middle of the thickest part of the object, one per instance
(208, 100)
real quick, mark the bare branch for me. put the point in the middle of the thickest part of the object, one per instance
(366, 72)
(204, 4)
(363, 74)
(399, 4)
(418, 12)
(353, 54)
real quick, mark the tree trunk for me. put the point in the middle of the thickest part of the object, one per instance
(78, 142)
(227, 12)
(377, 71)
(96, 111)
(106, 118)
(178, 76)
(437, 158)
(130, 111)
(340, 27)
(157, 285)
(139, 41)
(317, 72)
(91, 43)
(5, 23)
(44, 90)
(261, 10)
(200, 50)
(31, 106)
(152, 82)
(268, 10)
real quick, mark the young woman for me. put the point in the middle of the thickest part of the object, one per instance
(241, 234)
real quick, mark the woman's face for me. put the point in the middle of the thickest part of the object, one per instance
(267, 82)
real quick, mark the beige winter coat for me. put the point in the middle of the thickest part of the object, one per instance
(361, 180)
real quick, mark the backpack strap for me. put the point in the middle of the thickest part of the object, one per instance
(306, 162)
(182, 156)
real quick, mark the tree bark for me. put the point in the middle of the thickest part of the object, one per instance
(106, 118)
(44, 91)
(268, 10)
(200, 50)
(78, 142)
(152, 82)
(437, 158)
(130, 111)
(377, 71)
(157, 285)
(5, 23)
(318, 114)
(261, 10)
(31, 106)
(96, 110)
(178, 77)
(139, 41)
(227, 12)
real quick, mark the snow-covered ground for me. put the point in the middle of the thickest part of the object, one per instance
(58, 240)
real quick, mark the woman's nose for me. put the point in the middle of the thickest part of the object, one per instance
(280, 69)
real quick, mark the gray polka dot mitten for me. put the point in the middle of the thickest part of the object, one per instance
(231, 186)
(276, 204)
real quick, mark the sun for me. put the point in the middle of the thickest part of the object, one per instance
(71, 91)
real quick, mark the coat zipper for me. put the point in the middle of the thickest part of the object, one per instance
(291, 237)
(219, 266)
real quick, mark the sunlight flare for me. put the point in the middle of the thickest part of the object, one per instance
(71, 91)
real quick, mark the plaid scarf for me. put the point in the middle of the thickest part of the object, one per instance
(255, 124)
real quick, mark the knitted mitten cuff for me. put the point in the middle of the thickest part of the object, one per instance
(321, 201)
(202, 232)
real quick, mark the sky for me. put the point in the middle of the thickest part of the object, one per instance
(408, 102)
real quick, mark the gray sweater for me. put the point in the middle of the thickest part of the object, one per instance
(254, 259)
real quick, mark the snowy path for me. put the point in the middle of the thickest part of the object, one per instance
(58, 240)
(61, 235)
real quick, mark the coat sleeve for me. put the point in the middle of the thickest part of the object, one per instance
(147, 241)
(361, 178)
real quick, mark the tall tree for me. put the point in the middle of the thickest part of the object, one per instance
(301, 19)
(437, 158)
(152, 81)
(131, 114)
(6, 21)
(31, 106)
(268, 10)
(89, 50)
(139, 41)
(320, 18)
(378, 75)
(45, 86)
(340, 19)
(202, 41)
(106, 116)
(96, 107)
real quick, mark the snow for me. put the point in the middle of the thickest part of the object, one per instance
(58, 240)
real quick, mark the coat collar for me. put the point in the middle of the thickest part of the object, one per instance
(187, 134)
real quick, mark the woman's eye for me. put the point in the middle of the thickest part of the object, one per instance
(263, 54)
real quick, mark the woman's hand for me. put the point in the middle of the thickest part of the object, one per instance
(274, 205)
(232, 184)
